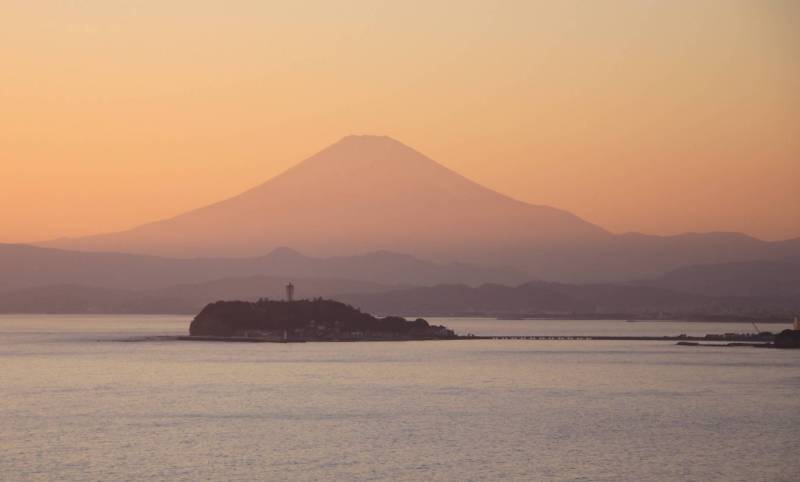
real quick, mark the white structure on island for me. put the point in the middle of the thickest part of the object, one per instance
(290, 292)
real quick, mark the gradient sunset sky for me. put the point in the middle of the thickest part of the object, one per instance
(653, 116)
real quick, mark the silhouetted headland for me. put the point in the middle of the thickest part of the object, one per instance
(788, 339)
(305, 320)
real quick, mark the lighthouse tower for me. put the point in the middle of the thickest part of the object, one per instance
(290, 292)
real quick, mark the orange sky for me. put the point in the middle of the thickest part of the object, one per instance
(659, 117)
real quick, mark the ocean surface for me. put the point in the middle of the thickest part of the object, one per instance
(76, 404)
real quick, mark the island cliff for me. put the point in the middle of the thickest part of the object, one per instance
(307, 320)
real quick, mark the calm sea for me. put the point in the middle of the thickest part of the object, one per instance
(78, 405)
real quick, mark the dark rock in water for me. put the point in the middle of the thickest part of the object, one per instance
(787, 339)
(317, 319)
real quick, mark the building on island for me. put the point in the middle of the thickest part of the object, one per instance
(290, 292)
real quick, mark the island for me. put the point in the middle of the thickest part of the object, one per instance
(305, 320)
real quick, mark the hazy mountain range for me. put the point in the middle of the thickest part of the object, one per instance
(370, 193)
(182, 298)
(23, 266)
(556, 299)
(74, 282)
(756, 289)
(765, 279)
